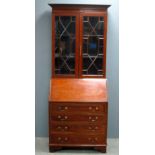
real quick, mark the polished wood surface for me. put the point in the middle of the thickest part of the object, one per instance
(77, 139)
(75, 117)
(57, 147)
(69, 120)
(78, 90)
(78, 104)
(71, 107)
(78, 7)
(74, 127)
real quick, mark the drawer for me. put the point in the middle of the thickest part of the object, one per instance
(78, 117)
(77, 127)
(77, 139)
(82, 107)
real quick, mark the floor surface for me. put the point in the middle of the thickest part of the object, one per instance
(42, 148)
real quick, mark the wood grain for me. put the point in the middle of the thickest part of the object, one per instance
(71, 107)
(77, 139)
(78, 90)
(77, 127)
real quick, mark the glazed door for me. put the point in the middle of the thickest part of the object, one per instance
(65, 44)
(92, 45)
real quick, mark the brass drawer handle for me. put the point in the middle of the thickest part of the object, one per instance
(62, 108)
(62, 118)
(62, 140)
(93, 128)
(94, 108)
(93, 140)
(63, 128)
(93, 119)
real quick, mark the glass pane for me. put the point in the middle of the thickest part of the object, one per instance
(65, 44)
(93, 40)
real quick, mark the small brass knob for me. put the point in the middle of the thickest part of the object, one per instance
(90, 117)
(96, 138)
(59, 138)
(97, 108)
(66, 138)
(66, 127)
(59, 127)
(90, 108)
(90, 127)
(96, 127)
(59, 116)
(66, 108)
(66, 117)
(60, 107)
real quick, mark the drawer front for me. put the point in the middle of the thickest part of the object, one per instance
(82, 107)
(77, 139)
(78, 127)
(77, 117)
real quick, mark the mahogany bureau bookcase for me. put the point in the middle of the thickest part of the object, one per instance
(78, 99)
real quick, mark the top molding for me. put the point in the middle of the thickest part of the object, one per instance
(88, 6)
(76, 7)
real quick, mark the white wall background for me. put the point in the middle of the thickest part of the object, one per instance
(43, 64)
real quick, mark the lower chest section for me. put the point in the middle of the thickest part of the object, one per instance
(77, 123)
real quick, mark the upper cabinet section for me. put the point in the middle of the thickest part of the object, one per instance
(79, 40)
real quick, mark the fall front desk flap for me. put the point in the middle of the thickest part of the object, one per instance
(78, 90)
